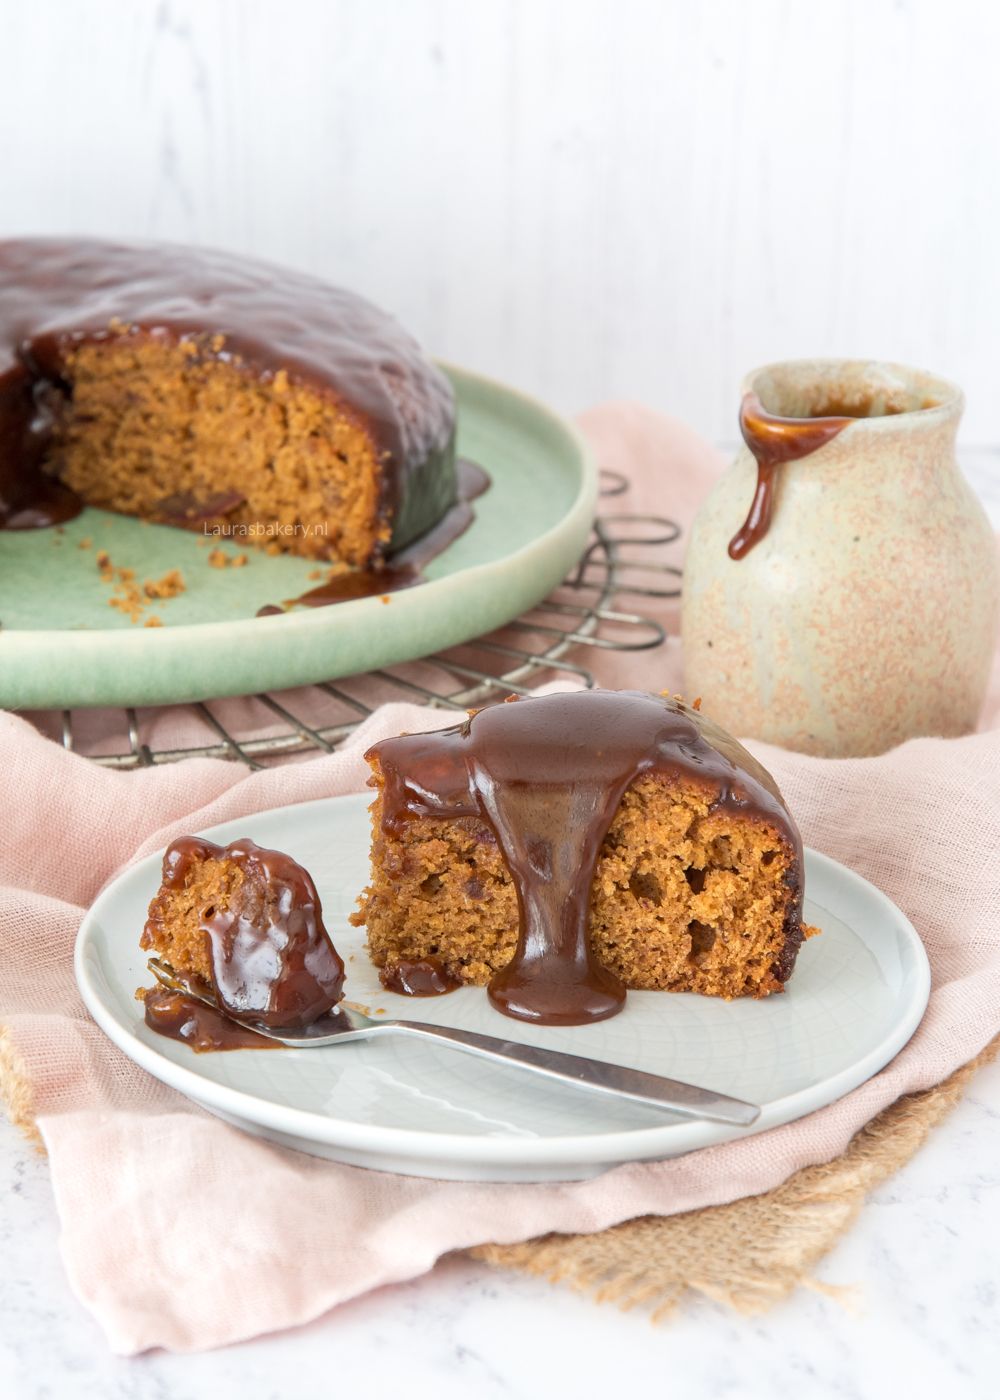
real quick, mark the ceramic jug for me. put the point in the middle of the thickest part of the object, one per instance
(841, 584)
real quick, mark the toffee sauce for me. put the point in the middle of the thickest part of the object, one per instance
(405, 568)
(185, 1018)
(424, 977)
(773, 441)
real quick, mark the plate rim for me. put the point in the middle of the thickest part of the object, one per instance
(393, 1143)
(128, 649)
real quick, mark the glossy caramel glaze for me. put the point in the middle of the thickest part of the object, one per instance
(181, 1017)
(271, 958)
(423, 977)
(56, 295)
(774, 440)
(547, 775)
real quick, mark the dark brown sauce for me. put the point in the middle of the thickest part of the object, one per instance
(547, 775)
(272, 959)
(182, 1017)
(349, 587)
(405, 569)
(427, 977)
(56, 295)
(472, 481)
(774, 440)
(184, 508)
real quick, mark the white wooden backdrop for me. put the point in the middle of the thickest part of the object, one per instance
(588, 198)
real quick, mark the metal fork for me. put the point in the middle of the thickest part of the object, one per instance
(345, 1023)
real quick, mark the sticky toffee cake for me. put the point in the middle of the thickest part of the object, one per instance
(567, 847)
(191, 387)
(245, 925)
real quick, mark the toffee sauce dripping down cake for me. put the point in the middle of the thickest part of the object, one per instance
(187, 386)
(245, 925)
(405, 569)
(566, 847)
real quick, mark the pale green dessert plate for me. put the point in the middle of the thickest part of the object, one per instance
(62, 645)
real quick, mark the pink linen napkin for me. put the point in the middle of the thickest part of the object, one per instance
(142, 1178)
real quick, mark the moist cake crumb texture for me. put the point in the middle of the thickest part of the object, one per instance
(174, 926)
(682, 899)
(691, 890)
(163, 432)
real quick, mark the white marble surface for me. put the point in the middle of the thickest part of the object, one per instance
(923, 1261)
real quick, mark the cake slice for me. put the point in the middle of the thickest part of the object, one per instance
(566, 847)
(246, 925)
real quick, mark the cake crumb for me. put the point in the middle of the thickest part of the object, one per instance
(385, 598)
(219, 559)
(85, 543)
(127, 597)
(268, 432)
(168, 586)
(131, 599)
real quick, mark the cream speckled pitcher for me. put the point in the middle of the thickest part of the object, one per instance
(861, 606)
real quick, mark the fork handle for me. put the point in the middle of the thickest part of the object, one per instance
(618, 1081)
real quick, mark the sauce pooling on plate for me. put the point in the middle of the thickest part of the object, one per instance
(184, 1018)
(423, 977)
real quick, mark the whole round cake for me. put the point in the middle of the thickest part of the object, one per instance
(191, 387)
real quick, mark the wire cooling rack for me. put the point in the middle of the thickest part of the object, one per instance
(623, 560)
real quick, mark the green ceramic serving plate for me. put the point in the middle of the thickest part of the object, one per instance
(61, 645)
